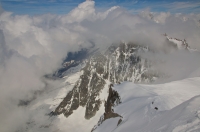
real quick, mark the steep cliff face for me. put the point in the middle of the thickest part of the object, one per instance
(124, 64)
(117, 64)
(113, 100)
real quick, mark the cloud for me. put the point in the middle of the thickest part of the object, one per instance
(183, 5)
(33, 46)
(169, 6)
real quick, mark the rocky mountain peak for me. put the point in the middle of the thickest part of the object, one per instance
(117, 64)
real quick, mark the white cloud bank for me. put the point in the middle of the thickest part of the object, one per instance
(32, 46)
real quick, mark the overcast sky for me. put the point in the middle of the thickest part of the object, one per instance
(64, 6)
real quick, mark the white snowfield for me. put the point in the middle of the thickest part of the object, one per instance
(177, 104)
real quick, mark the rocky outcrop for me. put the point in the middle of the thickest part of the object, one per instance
(112, 100)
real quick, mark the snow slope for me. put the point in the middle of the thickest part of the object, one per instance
(177, 105)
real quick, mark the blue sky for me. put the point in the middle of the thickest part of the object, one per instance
(64, 6)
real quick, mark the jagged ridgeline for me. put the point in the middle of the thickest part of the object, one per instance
(117, 64)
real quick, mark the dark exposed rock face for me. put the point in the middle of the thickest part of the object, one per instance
(119, 63)
(112, 100)
(125, 64)
(86, 91)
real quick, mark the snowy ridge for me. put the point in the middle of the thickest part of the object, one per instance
(154, 108)
(180, 44)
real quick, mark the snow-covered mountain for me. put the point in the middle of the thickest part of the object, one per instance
(118, 64)
(110, 91)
